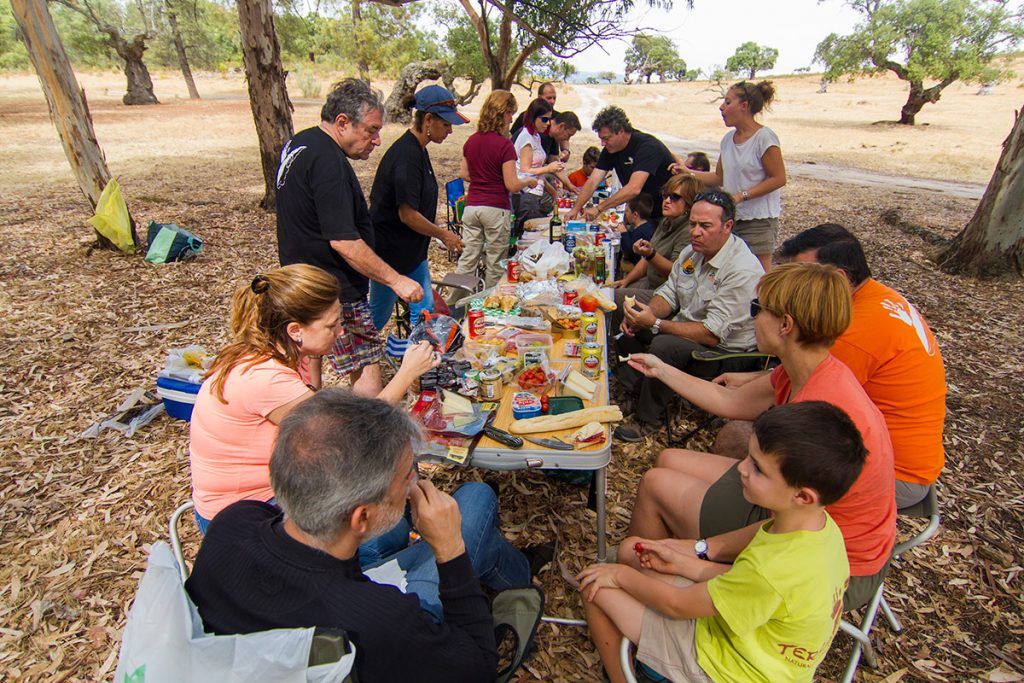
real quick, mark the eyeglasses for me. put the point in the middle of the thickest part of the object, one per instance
(718, 198)
(673, 197)
(756, 307)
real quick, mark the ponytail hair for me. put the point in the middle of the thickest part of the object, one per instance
(758, 96)
(261, 311)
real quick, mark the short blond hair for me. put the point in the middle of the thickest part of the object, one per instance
(492, 114)
(816, 296)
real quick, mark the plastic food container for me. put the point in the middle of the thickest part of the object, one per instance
(529, 345)
(525, 405)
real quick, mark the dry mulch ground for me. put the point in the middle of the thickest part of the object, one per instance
(76, 516)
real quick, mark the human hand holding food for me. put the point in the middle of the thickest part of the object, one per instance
(660, 557)
(646, 364)
(639, 315)
(418, 359)
(436, 516)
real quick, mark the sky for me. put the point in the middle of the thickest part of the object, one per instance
(708, 34)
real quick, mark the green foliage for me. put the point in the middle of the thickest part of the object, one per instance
(606, 76)
(944, 40)
(12, 50)
(209, 30)
(307, 83)
(591, 80)
(462, 45)
(650, 55)
(751, 57)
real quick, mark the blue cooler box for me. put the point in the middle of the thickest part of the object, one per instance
(179, 397)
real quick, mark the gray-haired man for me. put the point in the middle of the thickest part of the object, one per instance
(323, 220)
(342, 471)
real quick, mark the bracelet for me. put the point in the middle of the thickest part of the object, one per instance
(650, 257)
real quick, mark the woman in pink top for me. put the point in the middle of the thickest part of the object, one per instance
(281, 324)
(800, 311)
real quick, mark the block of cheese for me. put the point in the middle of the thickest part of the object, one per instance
(455, 404)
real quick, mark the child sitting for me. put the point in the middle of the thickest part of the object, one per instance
(580, 175)
(772, 614)
(636, 225)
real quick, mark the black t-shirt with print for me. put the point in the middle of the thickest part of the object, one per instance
(404, 176)
(319, 200)
(644, 152)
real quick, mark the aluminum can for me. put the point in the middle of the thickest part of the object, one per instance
(570, 297)
(513, 270)
(588, 328)
(598, 238)
(590, 360)
(476, 322)
(568, 241)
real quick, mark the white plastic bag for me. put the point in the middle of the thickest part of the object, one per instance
(544, 260)
(188, 364)
(164, 641)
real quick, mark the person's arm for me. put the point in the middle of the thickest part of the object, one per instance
(631, 189)
(281, 412)
(526, 163)
(734, 380)
(711, 178)
(743, 403)
(464, 169)
(774, 176)
(359, 255)
(722, 549)
(691, 602)
(417, 222)
(417, 359)
(644, 317)
(661, 263)
(513, 183)
(638, 272)
(596, 176)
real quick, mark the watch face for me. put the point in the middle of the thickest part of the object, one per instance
(700, 547)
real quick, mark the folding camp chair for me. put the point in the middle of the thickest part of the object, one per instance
(516, 612)
(926, 509)
(451, 287)
(454, 206)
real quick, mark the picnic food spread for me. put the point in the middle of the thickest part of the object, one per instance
(530, 361)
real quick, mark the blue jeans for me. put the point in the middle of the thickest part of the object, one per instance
(496, 562)
(382, 298)
(203, 523)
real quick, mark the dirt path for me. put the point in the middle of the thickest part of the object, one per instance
(591, 102)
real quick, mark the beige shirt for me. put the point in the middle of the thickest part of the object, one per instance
(717, 292)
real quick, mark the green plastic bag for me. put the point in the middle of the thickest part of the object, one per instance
(169, 242)
(111, 219)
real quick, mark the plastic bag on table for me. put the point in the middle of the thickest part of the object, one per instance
(539, 293)
(442, 331)
(544, 260)
(584, 286)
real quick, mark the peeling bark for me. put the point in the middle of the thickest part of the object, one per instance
(268, 93)
(411, 76)
(69, 110)
(992, 243)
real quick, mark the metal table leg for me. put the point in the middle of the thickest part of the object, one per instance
(601, 484)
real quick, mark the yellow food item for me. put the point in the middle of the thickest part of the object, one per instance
(629, 302)
(604, 302)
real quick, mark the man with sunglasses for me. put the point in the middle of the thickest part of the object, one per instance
(704, 305)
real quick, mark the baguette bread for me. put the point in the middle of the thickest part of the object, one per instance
(577, 418)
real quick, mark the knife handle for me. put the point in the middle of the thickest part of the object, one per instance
(500, 436)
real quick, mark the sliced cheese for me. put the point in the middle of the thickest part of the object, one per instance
(573, 390)
(585, 383)
(455, 404)
(462, 420)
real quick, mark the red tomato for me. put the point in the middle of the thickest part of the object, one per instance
(588, 304)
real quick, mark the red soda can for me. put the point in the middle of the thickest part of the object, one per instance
(570, 297)
(476, 322)
(598, 238)
(513, 270)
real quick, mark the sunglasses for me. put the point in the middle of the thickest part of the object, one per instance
(546, 119)
(673, 197)
(756, 307)
(716, 197)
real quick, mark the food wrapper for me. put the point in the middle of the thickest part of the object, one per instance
(544, 260)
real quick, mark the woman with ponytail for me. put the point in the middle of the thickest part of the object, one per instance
(750, 167)
(281, 323)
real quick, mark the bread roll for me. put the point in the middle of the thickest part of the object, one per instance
(577, 418)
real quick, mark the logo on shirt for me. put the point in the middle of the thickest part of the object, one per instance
(688, 266)
(906, 313)
(628, 161)
(288, 157)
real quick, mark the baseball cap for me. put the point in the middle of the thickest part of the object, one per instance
(437, 100)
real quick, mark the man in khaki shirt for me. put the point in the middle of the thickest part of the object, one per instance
(704, 304)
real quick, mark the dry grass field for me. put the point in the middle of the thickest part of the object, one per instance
(81, 329)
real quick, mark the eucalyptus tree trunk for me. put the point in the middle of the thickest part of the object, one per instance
(268, 92)
(179, 46)
(69, 110)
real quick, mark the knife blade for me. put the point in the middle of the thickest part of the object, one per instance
(556, 444)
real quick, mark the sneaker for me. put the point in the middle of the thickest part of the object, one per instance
(632, 431)
(539, 556)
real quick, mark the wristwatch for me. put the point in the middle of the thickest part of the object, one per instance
(745, 195)
(700, 548)
(656, 327)
(651, 256)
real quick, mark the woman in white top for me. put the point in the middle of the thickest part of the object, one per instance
(750, 167)
(531, 158)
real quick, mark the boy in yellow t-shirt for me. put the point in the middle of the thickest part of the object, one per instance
(770, 615)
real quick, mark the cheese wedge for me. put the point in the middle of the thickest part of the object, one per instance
(455, 404)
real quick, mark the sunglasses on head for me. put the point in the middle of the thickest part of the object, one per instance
(716, 197)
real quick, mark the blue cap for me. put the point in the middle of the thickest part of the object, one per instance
(439, 101)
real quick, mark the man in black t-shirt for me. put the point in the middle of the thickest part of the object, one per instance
(323, 220)
(641, 162)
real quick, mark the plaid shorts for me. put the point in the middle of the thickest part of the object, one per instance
(359, 344)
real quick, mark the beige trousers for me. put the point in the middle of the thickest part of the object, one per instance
(484, 230)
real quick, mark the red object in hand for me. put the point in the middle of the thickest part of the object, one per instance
(638, 548)
(588, 304)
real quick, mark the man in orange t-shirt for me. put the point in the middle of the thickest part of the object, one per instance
(893, 354)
